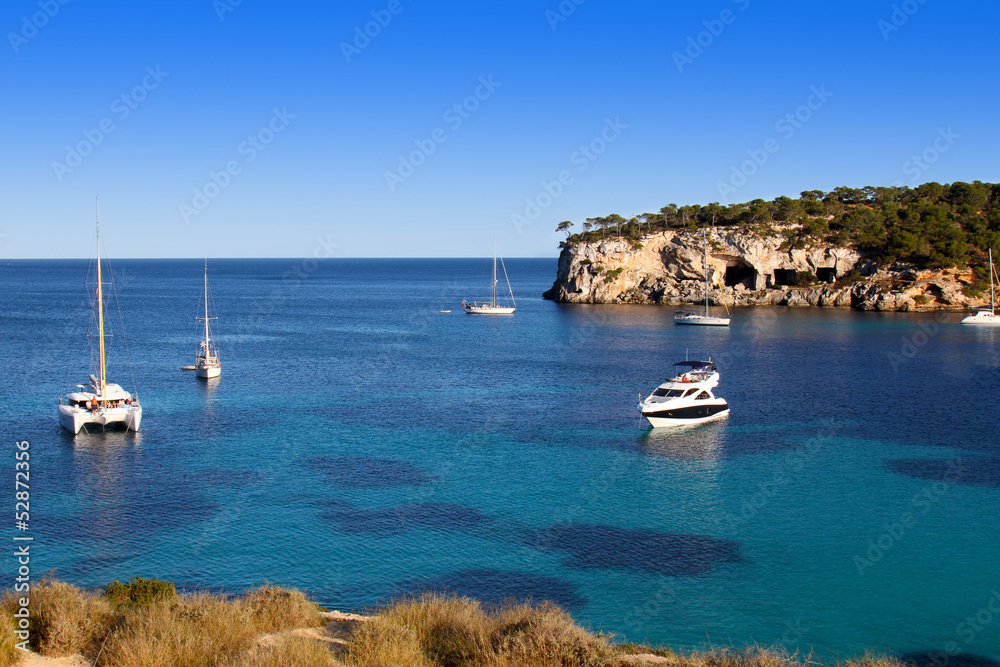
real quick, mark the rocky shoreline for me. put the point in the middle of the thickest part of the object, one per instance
(748, 269)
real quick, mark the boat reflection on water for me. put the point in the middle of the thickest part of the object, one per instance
(210, 387)
(697, 442)
(100, 457)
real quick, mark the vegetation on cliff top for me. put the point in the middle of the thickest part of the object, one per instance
(145, 623)
(930, 226)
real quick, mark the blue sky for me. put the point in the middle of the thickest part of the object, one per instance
(247, 128)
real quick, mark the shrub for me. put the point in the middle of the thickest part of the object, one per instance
(805, 278)
(139, 592)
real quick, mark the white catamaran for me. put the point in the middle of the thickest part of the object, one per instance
(100, 403)
(493, 307)
(984, 315)
(208, 364)
(691, 317)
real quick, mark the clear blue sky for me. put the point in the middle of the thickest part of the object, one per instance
(199, 78)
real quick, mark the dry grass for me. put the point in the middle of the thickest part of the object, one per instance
(64, 618)
(273, 609)
(192, 631)
(158, 630)
(871, 659)
(754, 656)
(446, 631)
(290, 651)
(202, 630)
(8, 652)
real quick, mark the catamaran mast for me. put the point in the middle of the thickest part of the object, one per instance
(100, 299)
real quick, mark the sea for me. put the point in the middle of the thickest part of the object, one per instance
(364, 443)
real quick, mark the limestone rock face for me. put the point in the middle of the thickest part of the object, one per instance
(745, 269)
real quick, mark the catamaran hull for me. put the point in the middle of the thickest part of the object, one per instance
(75, 419)
(695, 414)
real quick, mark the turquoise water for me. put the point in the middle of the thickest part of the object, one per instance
(361, 445)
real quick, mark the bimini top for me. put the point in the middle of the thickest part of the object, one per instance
(697, 365)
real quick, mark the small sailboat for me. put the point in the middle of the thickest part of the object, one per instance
(692, 317)
(493, 306)
(984, 315)
(207, 362)
(101, 403)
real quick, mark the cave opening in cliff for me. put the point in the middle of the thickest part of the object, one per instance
(826, 274)
(738, 273)
(784, 277)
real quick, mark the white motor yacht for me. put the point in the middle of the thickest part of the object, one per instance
(686, 398)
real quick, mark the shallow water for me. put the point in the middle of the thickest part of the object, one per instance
(361, 445)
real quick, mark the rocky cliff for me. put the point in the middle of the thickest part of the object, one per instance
(746, 269)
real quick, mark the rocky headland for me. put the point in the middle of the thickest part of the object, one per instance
(748, 269)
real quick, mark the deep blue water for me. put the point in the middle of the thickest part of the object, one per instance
(361, 445)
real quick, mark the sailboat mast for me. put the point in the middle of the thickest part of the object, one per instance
(100, 298)
(705, 243)
(993, 303)
(206, 307)
(494, 273)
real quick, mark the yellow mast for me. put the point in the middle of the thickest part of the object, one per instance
(100, 300)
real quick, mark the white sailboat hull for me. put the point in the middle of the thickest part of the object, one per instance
(74, 419)
(703, 320)
(986, 316)
(208, 371)
(983, 318)
(489, 310)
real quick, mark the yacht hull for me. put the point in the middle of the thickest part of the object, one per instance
(208, 371)
(75, 419)
(489, 310)
(685, 416)
(982, 319)
(702, 320)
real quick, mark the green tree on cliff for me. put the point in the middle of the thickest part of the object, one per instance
(931, 225)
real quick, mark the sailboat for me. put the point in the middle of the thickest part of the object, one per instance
(208, 364)
(984, 315)
(100, 403)
(691, 317)
(493, 307)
